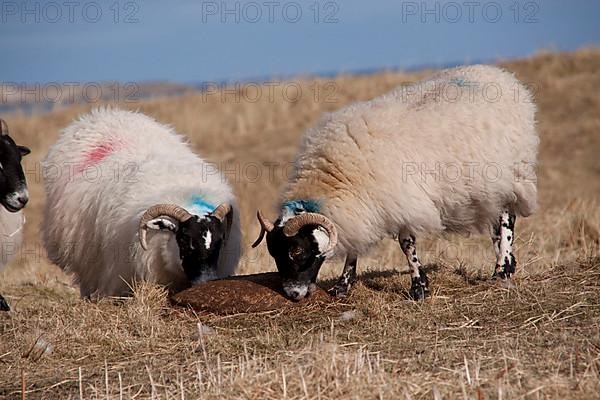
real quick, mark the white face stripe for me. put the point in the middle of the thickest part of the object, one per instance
(322, 238)
(207, 239)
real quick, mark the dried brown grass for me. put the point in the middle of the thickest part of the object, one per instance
(472, 339)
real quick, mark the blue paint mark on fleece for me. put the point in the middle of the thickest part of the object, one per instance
(298, 206)
(461, 82)
(199, 206)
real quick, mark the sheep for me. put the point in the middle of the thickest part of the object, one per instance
(13, 197)
(136, 204)
(454, 153)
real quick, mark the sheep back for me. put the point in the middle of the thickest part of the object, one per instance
(472, 128)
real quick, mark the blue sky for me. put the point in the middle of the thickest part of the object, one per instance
(195, 41)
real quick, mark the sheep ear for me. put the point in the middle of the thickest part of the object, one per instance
(163, 223)
(24, 150)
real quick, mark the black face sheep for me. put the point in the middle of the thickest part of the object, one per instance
(127, 201)
(13, 197)
(454, 153)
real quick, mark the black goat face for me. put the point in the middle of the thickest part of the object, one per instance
(298, 258)
(200, 242)
(13, 187)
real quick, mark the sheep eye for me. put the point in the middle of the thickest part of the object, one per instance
(296, 252)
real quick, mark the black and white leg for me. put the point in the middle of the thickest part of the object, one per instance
(3, 304)
(495, 234)
(348, 277)
(503, 235)
(420, 284)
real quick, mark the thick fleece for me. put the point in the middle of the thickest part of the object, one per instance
(447, 154)
(105, 170)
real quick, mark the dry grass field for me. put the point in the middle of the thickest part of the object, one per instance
(472, 339)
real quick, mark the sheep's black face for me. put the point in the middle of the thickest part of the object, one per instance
(200, 242)
(298, 258)
(13, 187)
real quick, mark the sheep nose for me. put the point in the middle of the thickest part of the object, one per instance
(23, 198)
(296, 293)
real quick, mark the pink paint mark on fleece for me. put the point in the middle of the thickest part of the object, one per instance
(97, 154)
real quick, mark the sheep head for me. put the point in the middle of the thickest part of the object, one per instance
(13, 186)
(200, 238)
(299, 246)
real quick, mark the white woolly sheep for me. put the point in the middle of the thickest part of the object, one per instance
(111, 176)
(13, 197)
(454, 153)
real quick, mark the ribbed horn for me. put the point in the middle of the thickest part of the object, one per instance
(3, 128)
(170, 210)
(265, 226)
(221, 211)
(294, 224)
(224, 213)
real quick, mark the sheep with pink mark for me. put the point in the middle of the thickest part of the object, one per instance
(128, 201)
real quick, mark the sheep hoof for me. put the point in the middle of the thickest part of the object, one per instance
(500, 274)
(419, 288)
(340, 290)
(3, 304)
(504, 280)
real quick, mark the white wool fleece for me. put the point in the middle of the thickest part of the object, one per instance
(449, 153)
(103, 173)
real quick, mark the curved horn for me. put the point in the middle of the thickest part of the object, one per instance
(265, 226)
(3, 128)
(224, 213)
(294, 224)
(170, 210)
(221, 211)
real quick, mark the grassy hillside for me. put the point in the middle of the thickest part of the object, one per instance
(471, 339)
